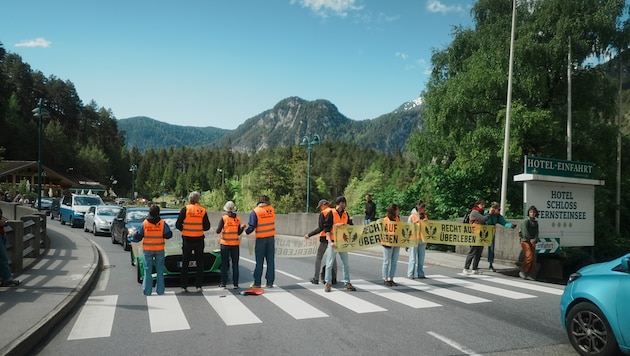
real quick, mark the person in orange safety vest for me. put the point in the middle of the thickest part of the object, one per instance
(230, 229)
(263, 220)
(152, 233)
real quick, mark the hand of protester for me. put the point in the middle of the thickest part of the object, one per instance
(307, 237)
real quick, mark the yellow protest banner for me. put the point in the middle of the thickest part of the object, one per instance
(377, 233)
(453, 233)
(296, 247)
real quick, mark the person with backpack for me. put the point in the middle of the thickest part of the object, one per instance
(475, 216)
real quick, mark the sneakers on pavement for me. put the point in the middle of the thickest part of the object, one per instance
(254, 285)
(521, 274)
(475, 271)
(236, 286)
(349, 287)
(199, 290)
(268, 285)
(529, 278)
(327, 288)
(466, 271)
(221, 286)
(314, 280)
(11, 283)
(492, 268)
(184, 290)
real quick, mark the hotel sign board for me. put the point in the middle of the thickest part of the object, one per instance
(559, 168)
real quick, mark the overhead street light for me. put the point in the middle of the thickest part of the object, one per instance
(133, 170)
(309, 142)
(222, 175)
(40, 113)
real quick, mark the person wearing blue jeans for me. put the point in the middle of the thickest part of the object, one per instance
(153, 231)
(337, 217)
(417, 253)
(495, 217)
(390, 253)
(263, 220)
(5, 270)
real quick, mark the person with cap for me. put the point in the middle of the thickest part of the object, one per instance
(337, 217)
(528, 235)
(263, 220)
(230, 229)
(5, 270)
(152, 232)
(324, 209)
(192, 222)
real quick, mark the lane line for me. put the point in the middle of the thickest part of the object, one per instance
(229, 308)
(292, 305)
(519, 284)
(453, 344)
(481, 287)
(441, 292)
(277, 270)
(165, 313)
(96, 318)
(394, 295)
(345, 299)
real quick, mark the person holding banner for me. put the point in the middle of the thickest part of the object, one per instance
(417, 253)
(263, 220)
(390, 253)
(474, 254)
(230, 230)
(495, 217)
(338, 217)
(529, 236)
(324, 209)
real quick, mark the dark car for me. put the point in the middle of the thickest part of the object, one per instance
(173, 252)
(127, 222)
(46, 204)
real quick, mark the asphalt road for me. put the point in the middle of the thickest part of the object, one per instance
(446, 314)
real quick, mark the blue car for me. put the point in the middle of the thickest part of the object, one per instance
(595, 308)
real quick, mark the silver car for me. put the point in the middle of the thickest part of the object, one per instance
(98, 219)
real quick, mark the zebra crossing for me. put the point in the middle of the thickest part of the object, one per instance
(96, 318)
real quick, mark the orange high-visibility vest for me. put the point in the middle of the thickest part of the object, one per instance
(153, 236)
(343, 219)
(266, 217)
(415, 218)
(193, 223)
(230, 236)
(325, 212)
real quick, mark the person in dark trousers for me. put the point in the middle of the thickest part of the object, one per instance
(529, 236)
(324, 209)
(263, 220)
(230, 229)
(5, 270)
(153, 232)
(192, 222)
(474, 254)
(370, 209)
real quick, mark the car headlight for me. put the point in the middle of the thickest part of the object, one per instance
(574, 276)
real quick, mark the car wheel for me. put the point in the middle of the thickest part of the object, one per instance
(589, 331)
(126, 245)
(61, 220)
(71, 223)
(113, 239)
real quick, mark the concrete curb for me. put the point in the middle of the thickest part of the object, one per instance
(38, 332)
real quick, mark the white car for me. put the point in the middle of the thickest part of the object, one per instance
(98, 219)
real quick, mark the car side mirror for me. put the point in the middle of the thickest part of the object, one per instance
(625, 264)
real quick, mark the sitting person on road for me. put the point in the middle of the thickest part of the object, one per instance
(152, 232)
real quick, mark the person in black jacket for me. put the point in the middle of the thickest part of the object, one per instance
(324, 208)
(370, 209)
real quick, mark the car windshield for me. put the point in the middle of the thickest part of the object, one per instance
(87, 201)
(137, 215)
(108, 211)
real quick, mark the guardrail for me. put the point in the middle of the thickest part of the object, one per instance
(26, 235)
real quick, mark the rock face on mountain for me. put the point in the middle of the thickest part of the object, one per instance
(293, 118)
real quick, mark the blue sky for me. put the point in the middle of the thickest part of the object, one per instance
(220, 62)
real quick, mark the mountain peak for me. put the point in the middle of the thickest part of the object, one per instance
(410, 105)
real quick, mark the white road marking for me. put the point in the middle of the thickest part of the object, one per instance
(392, 294)
(345, 299)
(165, 313)
(453, 344)
(519, 284)
(291, 304)
(441, 292)
(230, 308)
(482, 288)
(96, 318)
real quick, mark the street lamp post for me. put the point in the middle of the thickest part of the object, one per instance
(40, 113)
(309, 142)
(222, 175)
(133, 170)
